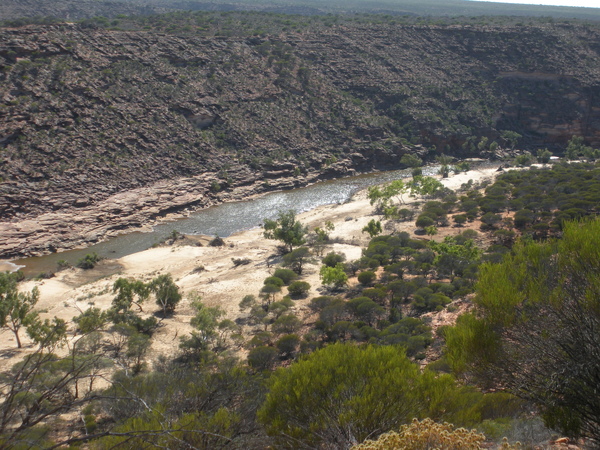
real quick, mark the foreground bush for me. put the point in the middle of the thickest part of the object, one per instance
(534, 330)
(334, 397)
(426, 435)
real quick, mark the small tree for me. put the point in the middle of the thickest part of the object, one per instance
(490, 220)
(247, 302)
(333, 276)
(262, 358)
(431, 231)
(269, 291)
(298, 288)
(460, 219)
(333, 258)
(543, 156)
(574, 147)
(373, 228)
(526, 159)
(382, 195)
(511, 138)
(16, 308)
(444, 170)
(138, 345)
(424, 221)
(410, 160)
(288, 344)
(427, 186)
(166, 292)
(462, 166)
(205, 323)
(89, 261)
(286, 229)
(287, 275)
(297, 258)
(287, 323)
(367, 277)
(320, 238)
(92, 319)
(127, 292)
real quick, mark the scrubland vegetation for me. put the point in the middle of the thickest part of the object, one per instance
(362, 361)
(470, 318)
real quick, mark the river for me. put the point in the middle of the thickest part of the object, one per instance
(224, 219)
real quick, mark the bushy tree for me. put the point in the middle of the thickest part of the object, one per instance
(427, 186)
(297, 258)
(129, 292)
(543, 156)
(511, 137)
(247, 302)
(410, 160)
(89, 261)
(288, 345)
(287, 275)
(333, 276)
(166, 292)
(286, 229)
(366, 277)
(334, 396)
(535, 328)
(269, 291)
(424, 221)
(90, 320)
(298, 288)
(373, 228)
(262, 358)
(204, 337)
(575, 147)
(332, 259)
(16, 308)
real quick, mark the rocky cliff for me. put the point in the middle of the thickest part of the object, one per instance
(102, 129)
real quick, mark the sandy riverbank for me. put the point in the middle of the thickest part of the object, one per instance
(220, 283)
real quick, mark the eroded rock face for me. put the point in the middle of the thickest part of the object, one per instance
(104, 130)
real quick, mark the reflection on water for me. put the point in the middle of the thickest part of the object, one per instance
(224, 219)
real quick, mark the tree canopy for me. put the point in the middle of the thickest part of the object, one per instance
(16, 308)
(286, 229)
(534, 330)
(335, 395)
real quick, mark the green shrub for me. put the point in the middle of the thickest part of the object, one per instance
(298, 288)
(275, 281)
(262, 358)
(288, 345)
(286, 275)
(89, 261)
(63, 264)
(333, 258)
(424, 221)
(334, 395)
(366, 277)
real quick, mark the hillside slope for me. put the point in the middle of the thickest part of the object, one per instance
(102, 130)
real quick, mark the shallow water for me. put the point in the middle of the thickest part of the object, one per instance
(224, 219)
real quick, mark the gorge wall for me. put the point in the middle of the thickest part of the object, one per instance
(102, 130)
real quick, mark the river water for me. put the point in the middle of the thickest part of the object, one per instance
(224, 219)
